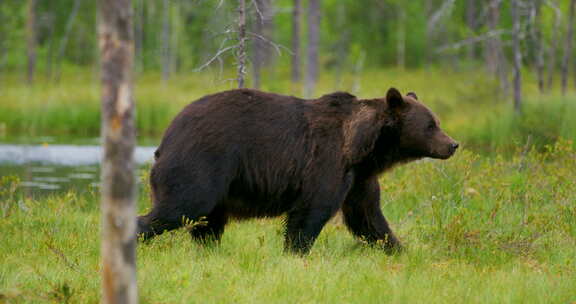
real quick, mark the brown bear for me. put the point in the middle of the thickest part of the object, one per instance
(246, 153)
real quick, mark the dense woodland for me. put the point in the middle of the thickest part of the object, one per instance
(180, 36)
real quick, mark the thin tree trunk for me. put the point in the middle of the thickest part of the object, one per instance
(64, 42)
(263, 29)
(401, 45)
(258, 44)
(241, 54)
(517, 56)
(31, 40)
(176, 12)
(472, 22)
(3, 44)
(568, 47)
(139, 35)
(553, 52)
(313, 44)
(495, 59)
(166, 31)
(118, 133)
(536, 34)
(296, 60)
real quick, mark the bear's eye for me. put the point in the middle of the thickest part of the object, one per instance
(431, 126)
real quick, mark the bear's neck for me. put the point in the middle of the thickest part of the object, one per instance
(385, 155)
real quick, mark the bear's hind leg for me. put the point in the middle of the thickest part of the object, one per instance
(177, 210)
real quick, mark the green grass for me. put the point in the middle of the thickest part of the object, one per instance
(477, 229)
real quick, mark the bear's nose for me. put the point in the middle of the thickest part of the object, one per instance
(455, 146)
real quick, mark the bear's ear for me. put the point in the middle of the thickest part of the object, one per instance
(413, 95)
(394, 98)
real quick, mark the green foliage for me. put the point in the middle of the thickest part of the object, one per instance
(477, 229)
(198, 28)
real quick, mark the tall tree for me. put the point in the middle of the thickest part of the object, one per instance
(166, 33)
(471, 16)
(401, 43)
(313, 45)
(515, 7)
(2, 39)
(241, 53)
(568, 47)
(553, 51)
(263, 36)
(494, 53)
(296, 60)
(537, 41)
(31, 39)
(118, 133)
(65, 38)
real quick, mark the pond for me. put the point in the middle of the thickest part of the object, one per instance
(47, 169)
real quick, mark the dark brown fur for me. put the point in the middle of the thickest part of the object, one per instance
(245, 153)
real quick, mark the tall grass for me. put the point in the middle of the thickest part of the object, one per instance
(71, 107)
(477, 230)
(466, 101)
(542, 122)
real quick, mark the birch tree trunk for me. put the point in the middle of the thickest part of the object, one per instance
(401, 44)
(118, 133)
(139, 35)
(64, 42)
(472, 22)
(313, 44)
(166, 31)
(31, 40)
(568, 48)
(241, 54)
(296, 60)
(495, 59)
(517, 56)
(263, 27)
(553, 52)
(536, 33)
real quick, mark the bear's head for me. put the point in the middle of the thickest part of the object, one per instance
(419, 129)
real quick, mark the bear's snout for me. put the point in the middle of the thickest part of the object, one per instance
(453, 147)
(445, 147)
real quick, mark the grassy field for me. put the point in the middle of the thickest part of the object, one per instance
(478, 229)
(496, 223)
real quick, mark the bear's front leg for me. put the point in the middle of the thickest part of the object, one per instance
(303, 225)
(364, 218)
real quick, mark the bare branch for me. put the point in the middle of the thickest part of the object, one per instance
(472, 40)
(445, 9)
(220, 52)
(276, 46)
(258, 11)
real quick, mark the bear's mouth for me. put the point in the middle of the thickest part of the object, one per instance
(450, 150)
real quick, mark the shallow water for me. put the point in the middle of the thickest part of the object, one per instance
(48, 169)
